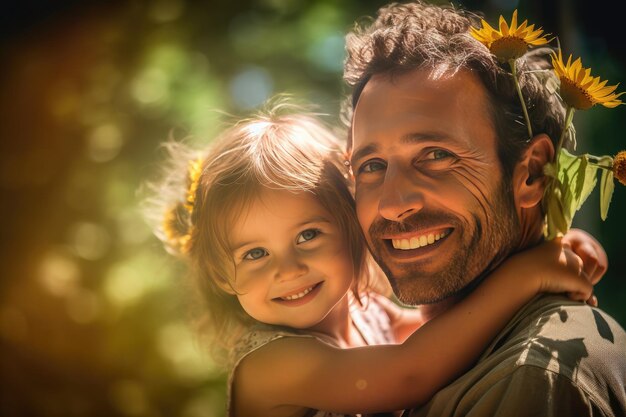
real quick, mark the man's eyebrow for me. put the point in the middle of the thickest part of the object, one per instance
(363, 152)
(424, 136)
(409, 138)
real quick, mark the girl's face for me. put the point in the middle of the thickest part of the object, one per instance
(293, 265)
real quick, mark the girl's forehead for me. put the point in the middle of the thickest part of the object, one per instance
(272, 211)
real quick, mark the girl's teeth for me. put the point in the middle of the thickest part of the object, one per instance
(417, 242)
(299, 295)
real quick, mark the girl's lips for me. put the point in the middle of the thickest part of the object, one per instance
(300, 298)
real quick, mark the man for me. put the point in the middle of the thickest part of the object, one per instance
(447, 186)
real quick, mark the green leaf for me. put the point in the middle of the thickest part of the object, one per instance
(578, 177)
(557, 220)
(606, 192)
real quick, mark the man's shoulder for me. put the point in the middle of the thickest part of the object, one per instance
(553, 352)
(565, 337)
(582, 347)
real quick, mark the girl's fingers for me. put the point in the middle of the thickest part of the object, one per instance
(592, 301)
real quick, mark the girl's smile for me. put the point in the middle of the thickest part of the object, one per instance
(293, 265)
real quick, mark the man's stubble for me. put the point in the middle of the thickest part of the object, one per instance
(483, 248)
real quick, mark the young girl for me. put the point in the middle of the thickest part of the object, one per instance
(268, 224)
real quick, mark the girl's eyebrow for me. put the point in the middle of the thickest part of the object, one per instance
(238, 246)
(315, 219)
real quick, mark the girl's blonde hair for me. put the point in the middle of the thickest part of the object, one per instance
(284, 147)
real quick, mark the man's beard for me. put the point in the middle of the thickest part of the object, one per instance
(482, 248)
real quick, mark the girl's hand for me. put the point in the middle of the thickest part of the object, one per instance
(590, 251)
(557, 269)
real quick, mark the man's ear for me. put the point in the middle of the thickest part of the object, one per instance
(529, 181)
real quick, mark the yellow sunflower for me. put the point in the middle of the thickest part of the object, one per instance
(510, 42)
(193, 176)
(579, 89)
(619, 167)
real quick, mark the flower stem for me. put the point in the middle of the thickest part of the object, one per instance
(521, 97)
(569, 115)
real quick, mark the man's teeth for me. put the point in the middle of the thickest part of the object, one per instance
(299, 295)
(418, 242)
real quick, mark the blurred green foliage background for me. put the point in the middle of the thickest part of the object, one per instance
(92, 310)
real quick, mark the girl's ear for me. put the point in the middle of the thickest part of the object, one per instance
(529, 181)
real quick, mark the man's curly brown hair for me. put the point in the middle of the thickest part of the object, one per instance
(407, 37)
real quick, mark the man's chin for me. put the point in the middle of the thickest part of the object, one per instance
(411, 292)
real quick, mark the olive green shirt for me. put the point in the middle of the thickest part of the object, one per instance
(556, 357)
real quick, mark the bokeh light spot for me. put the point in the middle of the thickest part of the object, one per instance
(89, 240)
(59, 274)
(129, 281)
(251, 87)
(104, 142)
(131, 228)
(328, 53)
(176, 343)
(151, 86)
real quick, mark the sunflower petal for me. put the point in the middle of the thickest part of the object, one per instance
(514, 22)
(504, 28)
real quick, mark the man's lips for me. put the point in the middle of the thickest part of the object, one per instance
(418, 239)
(410, 245)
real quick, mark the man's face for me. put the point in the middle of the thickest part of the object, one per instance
(429, 190)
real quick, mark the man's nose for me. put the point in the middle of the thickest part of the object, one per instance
(291, 266)
(401, 196)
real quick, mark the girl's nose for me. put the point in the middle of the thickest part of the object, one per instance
(291, 267)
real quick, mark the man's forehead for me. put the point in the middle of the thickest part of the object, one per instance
(435, 102)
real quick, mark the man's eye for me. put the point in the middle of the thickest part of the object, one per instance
(438, 154)
(372, 166)
(254, 254)
(307, 235)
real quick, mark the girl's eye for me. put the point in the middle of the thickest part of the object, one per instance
(372, 166)
(307, 235)
(254, 254)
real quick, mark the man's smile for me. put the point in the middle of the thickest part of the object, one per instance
(411, 246)
(419, 240)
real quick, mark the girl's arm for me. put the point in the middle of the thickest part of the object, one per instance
(405, 320)
(293, 373)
